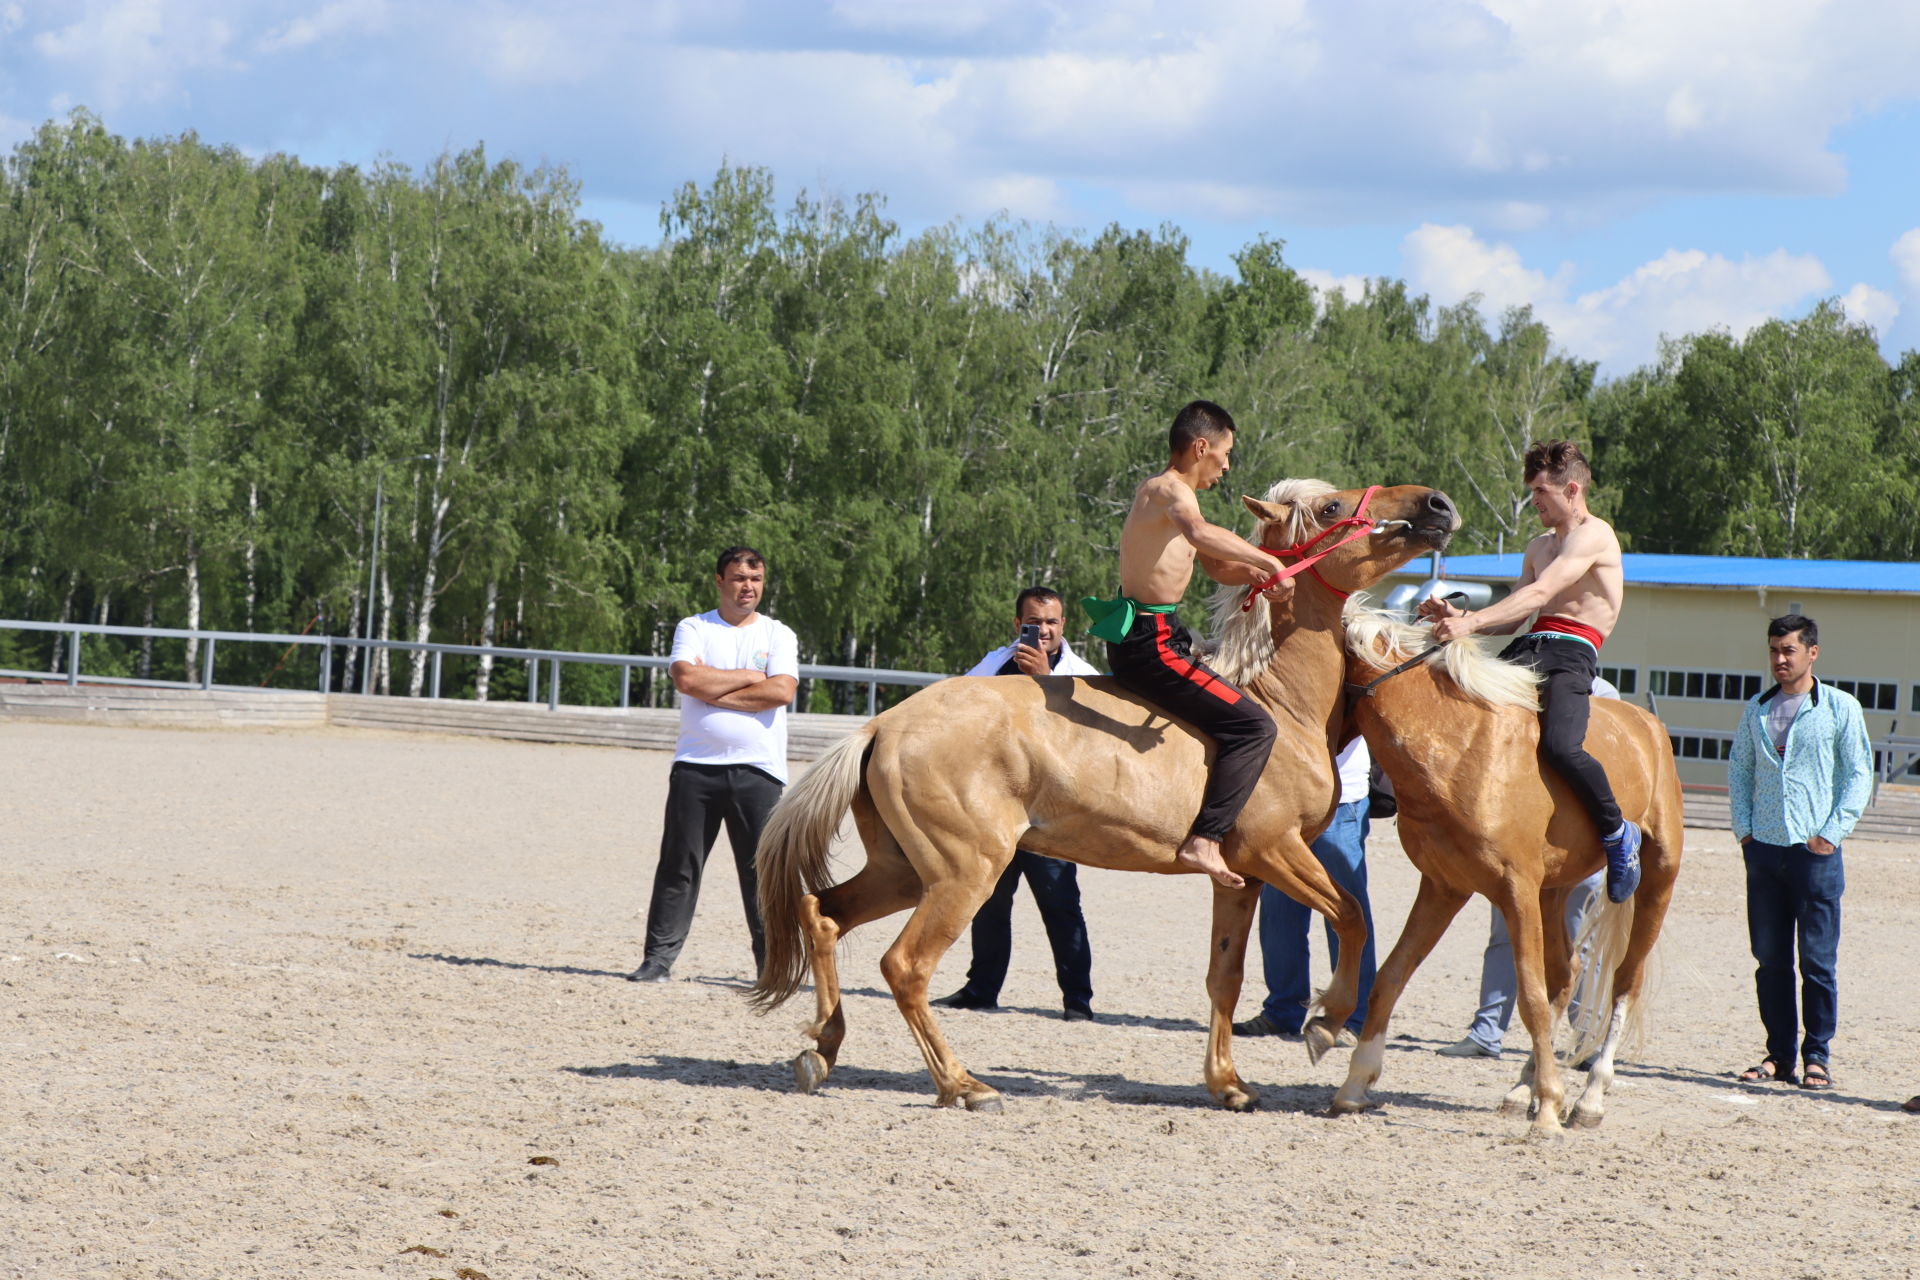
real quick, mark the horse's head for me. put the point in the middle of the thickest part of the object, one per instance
(1364, 534)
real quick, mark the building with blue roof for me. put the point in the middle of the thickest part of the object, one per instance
(1691, 645)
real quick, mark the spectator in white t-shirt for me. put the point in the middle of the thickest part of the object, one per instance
(736, 670)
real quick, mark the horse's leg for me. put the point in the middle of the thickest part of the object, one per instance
(885, 885)
(1559, 982)
(1649, 907)
(935, 925)
(1523, 924)
(1434, 907)
(1226, 970)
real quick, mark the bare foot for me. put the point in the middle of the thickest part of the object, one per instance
(1203, 854)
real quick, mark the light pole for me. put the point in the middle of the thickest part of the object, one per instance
(373, 561)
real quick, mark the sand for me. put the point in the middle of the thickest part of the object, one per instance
(336, 1003)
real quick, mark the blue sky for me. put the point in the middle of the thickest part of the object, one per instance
(1628, 167)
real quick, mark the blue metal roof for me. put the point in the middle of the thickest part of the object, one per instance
(1889, 576)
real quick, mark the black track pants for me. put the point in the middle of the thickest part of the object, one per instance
(1567, 668)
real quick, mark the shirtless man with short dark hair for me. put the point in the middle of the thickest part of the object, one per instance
(1572, 577)
(1149, 651)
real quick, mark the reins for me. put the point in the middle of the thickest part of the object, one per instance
(1366, 690)
(1300, 550)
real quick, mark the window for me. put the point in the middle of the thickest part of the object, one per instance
(1689, 747)
(1627, 681)
(1874, 695)
(1709, 686)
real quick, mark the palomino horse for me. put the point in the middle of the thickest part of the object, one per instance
(1480, 812)
(944, 787)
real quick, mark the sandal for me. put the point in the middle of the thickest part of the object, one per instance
(1912, 1105)
(1814, 1076)
(1768, 1072)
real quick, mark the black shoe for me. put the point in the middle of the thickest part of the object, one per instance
(650, 972)
(1262, 1025)
(1078, 1013)
(964, 999)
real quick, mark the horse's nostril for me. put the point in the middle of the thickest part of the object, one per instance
(1439, 502)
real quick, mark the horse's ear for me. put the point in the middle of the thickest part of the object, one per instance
(1268, 511)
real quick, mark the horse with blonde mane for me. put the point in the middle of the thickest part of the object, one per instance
(946, 785)
(1480, 812)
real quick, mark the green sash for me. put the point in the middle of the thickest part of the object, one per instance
(1112, 619)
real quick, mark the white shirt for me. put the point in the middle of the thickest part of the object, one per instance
(1070, 664)
(1356, 768)
(714, 735)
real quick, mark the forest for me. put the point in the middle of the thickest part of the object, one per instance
(214, 367)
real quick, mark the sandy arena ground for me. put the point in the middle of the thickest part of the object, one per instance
(349, 1004)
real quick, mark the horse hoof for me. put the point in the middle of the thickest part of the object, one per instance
(1341, 1107)
(1319, 1038)
(1585, 1119)
(809, 1071)
(987, 1102)
(1516, 1109)
(1241, 1100)
(1546, 1133)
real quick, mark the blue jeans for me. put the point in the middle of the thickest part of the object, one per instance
(1056, 892)
(1791, 889)
(1285, 924)
(1500, 984)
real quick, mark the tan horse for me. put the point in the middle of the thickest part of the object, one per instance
(1480, 812)
(944, 787)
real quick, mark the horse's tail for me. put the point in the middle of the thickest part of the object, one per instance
(1605, 930)
(792, 861)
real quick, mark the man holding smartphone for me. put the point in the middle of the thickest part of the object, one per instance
(1039, 649)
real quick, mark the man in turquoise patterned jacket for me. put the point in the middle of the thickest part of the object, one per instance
(1801, 772)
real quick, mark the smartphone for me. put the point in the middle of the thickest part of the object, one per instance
(1030, 635)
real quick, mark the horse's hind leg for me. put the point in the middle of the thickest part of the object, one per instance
(1649, 908)
(1434, 908)
(885, 885)
(908, 966)
(1296, 871)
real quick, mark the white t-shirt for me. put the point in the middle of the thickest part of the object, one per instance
(1356, 767)
(1070, 664)
(714, 735)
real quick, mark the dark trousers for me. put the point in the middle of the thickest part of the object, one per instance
(1793, 890)
(1285, 924)
(699, 798)
(1156, 662)
(1056, 891)
(1567, 668)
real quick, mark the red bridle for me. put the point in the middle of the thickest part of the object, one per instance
(1299, 551)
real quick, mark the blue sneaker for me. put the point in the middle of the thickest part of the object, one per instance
(1623, 862)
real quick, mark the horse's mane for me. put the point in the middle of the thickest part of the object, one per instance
(1241, 646)
(1382, 641)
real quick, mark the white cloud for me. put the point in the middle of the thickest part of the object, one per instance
(1325, 284)
(135, 50)
(1870, 306)
(1680, 292)
(330, 22)
(1906, 258)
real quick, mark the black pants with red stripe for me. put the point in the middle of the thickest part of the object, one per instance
(1156, 662)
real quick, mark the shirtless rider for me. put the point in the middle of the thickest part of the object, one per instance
(1572, 577)
(1149, 651)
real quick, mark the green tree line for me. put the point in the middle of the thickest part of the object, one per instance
(214, 367)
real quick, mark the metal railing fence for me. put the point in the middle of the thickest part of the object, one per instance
(552, 660)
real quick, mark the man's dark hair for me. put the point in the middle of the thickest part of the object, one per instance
(1561, 460)
(1201, 418)
(1035, 593)
(739, 555)
(1788, 623)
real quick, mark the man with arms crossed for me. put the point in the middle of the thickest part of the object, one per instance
(736, 670)
(1150, 652)
(1800, 775)
(1571, 576)
(1056, 888)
